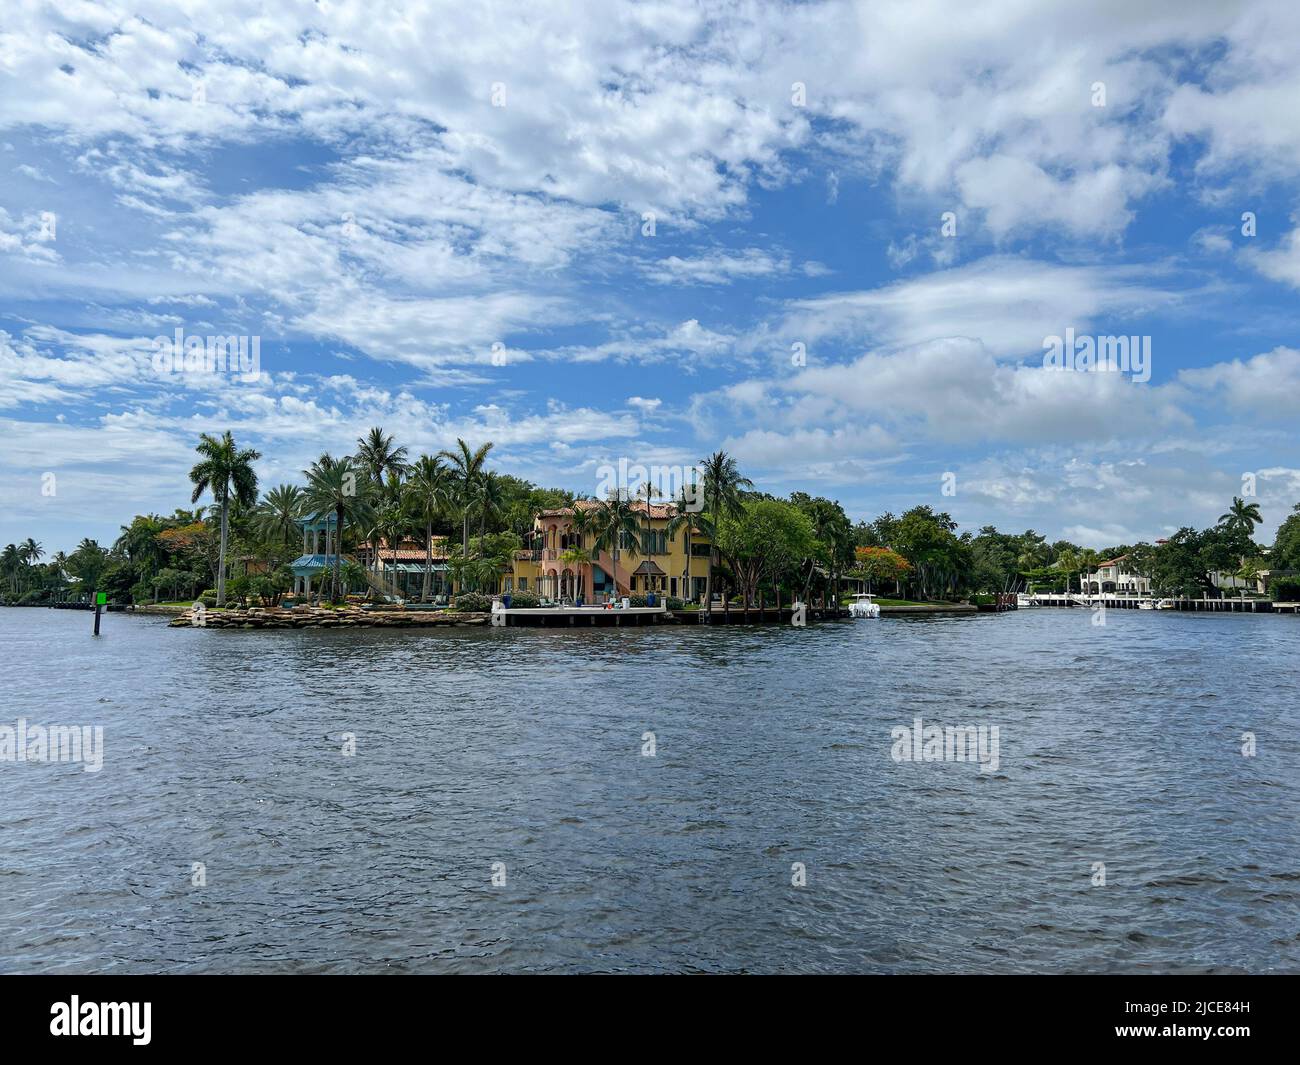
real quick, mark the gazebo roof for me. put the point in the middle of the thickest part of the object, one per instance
(308, 565)
(318, 521)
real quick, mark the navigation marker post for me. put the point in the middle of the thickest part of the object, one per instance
(101, 600)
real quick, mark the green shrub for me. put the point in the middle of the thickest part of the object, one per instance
(676, 604)
(1285, 589)
(525, 599)
(471, 602)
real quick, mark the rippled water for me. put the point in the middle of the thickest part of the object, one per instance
(1119, 745)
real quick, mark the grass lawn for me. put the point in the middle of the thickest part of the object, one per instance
(902, 602)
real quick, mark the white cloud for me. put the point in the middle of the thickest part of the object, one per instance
(1010, 304)
(1265, 385)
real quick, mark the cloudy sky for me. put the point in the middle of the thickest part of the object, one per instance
(830, 238)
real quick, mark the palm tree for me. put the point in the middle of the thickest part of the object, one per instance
(224, 467)
(139, 542)
(332, 489)
(377, 455)
(11, 560)
(278, 514)
(646, 492)
(32, 551)
(1088, 562)
(491, 498)
(1248, 572)
(687, 519)
(580, 526)
(613, 519)
(1242, 515)
(391, 523)
(1068, 561)
(60, 563)
(427, 493)
(722, 498)
(466, 468)
(576, 558)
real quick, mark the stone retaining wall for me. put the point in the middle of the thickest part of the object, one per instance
(320, 618)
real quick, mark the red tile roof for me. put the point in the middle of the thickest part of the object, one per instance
(657, 510)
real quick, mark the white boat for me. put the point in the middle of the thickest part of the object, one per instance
(1025, 600)
(1146, 604)
(864, 606)
(1165, 604)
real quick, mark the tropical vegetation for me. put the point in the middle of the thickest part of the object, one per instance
(764, 548)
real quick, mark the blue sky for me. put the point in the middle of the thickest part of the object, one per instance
(381, 193)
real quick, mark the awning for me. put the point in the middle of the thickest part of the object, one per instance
(413, 567)
(307, 565)
(650, 567)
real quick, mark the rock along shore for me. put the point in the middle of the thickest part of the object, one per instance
(321, 618)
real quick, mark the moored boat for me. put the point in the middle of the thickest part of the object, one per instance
(864, 606)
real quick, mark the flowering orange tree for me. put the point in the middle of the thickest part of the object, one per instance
(880, 564)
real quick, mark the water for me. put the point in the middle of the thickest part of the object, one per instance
(1119, 745)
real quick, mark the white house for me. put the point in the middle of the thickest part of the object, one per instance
(1112, 576)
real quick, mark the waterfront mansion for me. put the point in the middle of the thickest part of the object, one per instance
(1113, 576)
(561, 559)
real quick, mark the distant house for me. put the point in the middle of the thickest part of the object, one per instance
(401, 568)
(1230, 582)
(1113, 576)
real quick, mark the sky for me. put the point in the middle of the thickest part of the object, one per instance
(833, 239)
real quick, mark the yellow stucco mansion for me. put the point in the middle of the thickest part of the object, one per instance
(561, 563)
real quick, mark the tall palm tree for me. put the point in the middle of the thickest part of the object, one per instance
(224, 469)
(427, 493)
(491, 500)
(576, 558)
(612, 520)
(11, 560)
(391, 522)
(647, 492)
(278, 514)
(32, 551)
(722, 498)
(466, 468)
(1242, 515)
(687, 519)
(1068, 561)
(580, 527)
(378, 455)
(60, 563)
(1088, 562)
(334, 489)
